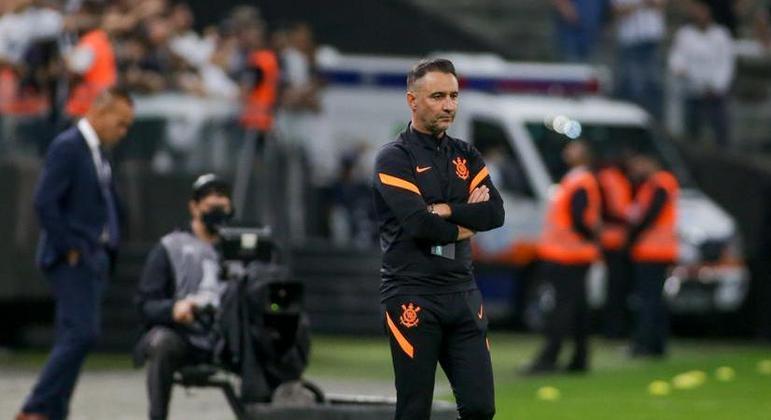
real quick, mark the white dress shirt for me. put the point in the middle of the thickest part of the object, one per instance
(703, 58)
(644, 24)
(102, 166)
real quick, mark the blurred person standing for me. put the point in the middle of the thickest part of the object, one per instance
(640, 31)
(616, 194)
(260, 84)
(78, 209)
(24, 22)
(578, 27)
(431, 193)
(702, 58)
(302, 128)
(653, 248)
(567, 249)
(91, 63)
(28, 56)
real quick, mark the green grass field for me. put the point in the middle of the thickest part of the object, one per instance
(616, 388)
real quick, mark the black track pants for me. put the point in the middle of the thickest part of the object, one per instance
(450, 329)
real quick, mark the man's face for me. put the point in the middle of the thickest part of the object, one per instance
(640, 167)
(113, 121)
(700, 13)
(575, 153)
(433, 100)
(209, 203)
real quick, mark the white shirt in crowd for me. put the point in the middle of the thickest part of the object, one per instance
(297, 70)
(644, 24)
(19, 30)
(704, 59)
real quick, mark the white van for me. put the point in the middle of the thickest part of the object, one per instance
(519, 116)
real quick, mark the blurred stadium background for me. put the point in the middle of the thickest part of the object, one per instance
(185, 60)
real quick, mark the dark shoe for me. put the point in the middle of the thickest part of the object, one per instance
(30, 416)
(577, 368)
(538, 369)
(641, 353)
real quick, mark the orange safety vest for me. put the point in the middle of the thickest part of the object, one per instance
(658, 243)
(559, 243)
(261, 102)
(101, 75)
(616, 192)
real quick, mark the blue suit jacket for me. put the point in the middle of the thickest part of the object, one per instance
(69, 201)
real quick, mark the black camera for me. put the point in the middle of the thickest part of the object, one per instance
(246, 244)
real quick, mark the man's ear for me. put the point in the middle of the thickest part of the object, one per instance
(411, 100)
(191, 207)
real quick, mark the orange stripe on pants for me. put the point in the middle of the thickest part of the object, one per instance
(403, 343)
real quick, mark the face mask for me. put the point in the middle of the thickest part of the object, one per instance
(215, 218)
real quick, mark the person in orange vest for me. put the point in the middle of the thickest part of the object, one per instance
(567, 248)
(260, 84)
(653, 247)
(616, 193)
(92, 62)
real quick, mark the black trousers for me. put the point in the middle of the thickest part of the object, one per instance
(620, 280)
(450, 329)
(166, 351)
(711, 111)
(652, 321)
(569, 316)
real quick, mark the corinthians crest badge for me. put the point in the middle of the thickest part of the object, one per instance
(409, 317)
(460, 168)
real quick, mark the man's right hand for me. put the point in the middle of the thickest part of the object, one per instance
(183, 311)
(464, 233)
(479, 195)
(73, 257)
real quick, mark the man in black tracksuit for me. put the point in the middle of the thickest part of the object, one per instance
(432, 192)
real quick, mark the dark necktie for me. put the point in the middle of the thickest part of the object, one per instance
(105, 181)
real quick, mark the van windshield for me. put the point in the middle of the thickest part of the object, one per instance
(609, 143)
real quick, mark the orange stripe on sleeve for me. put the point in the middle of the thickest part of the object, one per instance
(403, 343)
(398, 182)
(478, 179)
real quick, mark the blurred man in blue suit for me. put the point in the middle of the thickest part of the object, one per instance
(77, 207)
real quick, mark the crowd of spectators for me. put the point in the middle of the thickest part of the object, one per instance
(699, 60)
(156, 46)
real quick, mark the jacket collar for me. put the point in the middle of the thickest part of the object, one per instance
(425, 140)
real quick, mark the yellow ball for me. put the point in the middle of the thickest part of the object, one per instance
(699, 377)
(764, 367)
(548, 393)
(689, 380)
(659, 388)
(725, 374)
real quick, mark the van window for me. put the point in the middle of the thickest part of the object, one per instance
(609, 143)
(503, 162)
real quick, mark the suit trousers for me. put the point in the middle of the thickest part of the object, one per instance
(78, 292)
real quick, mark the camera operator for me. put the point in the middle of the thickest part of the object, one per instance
(178, 292)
